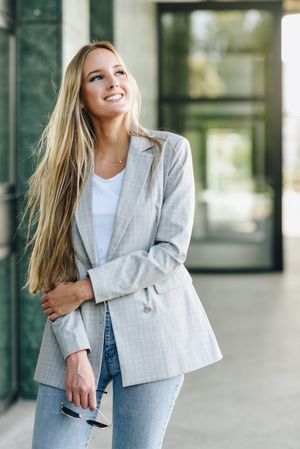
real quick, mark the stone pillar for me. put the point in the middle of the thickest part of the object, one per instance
(75, 29)
(39, 31)
(8, 364)
(136, 39)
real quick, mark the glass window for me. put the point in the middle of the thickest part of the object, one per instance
(214, 89)
(215, 54)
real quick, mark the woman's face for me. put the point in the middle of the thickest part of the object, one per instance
(105, 88)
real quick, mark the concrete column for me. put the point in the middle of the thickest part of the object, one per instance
(75, 28)
(136, 39)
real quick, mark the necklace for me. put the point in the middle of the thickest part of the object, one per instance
(120, 161)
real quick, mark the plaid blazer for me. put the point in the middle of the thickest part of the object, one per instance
(160, 327)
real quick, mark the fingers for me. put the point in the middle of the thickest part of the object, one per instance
(43, 299)
(76, 398)
(49, 311)
(46, 304)
(52, 312)
(69, 395)
(82, 398)
(92, 400)
(88, 398)
(81, 388)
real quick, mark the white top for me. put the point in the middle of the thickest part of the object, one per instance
(106, 195)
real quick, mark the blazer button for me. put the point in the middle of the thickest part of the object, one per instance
(147, 309)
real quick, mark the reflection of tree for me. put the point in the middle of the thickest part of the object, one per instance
(204, 79)
(195, 45)
(176, 29)
(229, 159)
(217, 34)
(175, 70)
(232, 31)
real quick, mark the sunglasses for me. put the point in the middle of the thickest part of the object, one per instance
(102, 423)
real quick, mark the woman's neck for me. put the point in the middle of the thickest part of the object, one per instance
(112, 142)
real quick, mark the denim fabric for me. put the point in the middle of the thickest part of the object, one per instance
(140, 412)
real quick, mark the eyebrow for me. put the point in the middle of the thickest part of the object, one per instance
(99, 70)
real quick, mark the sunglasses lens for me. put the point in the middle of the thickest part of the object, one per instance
(96, 423)
(69, 412)
(91, 422)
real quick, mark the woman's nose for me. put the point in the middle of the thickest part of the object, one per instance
(112, 83)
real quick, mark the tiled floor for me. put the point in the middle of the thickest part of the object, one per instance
(249, 400)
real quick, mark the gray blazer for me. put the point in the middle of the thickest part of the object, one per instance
(160, 327)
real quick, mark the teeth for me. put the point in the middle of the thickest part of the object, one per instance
(114, 97)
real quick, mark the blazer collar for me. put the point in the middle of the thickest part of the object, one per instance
(137, 169)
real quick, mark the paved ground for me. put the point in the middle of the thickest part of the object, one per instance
(249, 400)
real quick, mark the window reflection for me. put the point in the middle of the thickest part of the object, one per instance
(222, 53)
(214, 90)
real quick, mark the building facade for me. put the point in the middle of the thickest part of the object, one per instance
(208, 70)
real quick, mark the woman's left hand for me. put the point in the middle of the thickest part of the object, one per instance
(61, 300)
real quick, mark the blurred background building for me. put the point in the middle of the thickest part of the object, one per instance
(223, 73)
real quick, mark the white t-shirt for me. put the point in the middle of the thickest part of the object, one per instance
(106, 195)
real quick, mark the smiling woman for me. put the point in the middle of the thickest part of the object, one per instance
(114, 205)
(105, 86)
(106, 93)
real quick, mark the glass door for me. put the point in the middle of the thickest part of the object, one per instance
(220, 87)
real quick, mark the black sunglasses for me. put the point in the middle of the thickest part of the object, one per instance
(92, 422)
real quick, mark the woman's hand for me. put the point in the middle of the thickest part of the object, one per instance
(80, 382)
(66, 297)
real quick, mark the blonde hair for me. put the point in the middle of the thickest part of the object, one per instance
(63, 151)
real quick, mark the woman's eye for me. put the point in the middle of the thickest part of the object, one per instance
(100, 77)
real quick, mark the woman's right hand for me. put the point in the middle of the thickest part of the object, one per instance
(81, 388)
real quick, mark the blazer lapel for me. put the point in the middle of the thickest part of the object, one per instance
(84, 216)
(136, 173)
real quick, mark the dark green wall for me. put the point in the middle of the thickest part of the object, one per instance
(8, 353)
(39, 70)
(101, 20)
(39, 74)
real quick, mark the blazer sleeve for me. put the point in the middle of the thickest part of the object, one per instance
(139, 269)
(70, 333)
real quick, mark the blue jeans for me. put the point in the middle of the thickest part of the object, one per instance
(140, 412)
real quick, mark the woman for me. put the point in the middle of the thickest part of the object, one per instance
(113, 204)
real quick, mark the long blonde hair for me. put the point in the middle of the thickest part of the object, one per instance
(63, 151)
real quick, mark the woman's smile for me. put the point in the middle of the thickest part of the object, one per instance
(114, 98)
